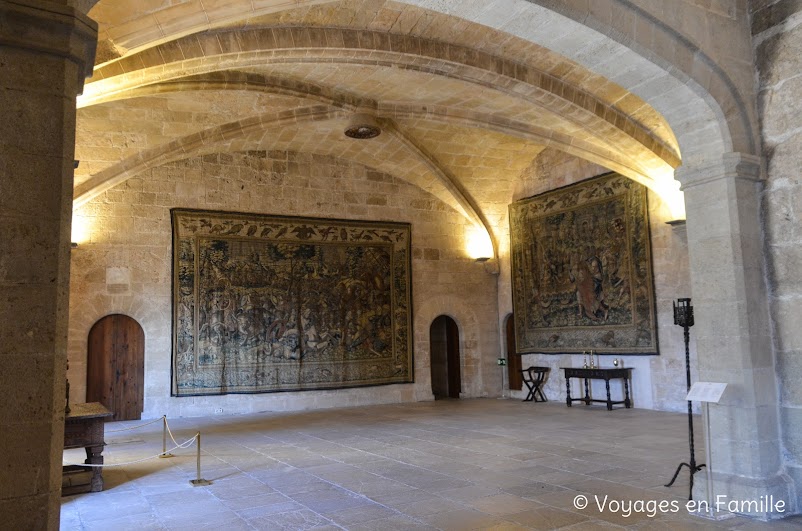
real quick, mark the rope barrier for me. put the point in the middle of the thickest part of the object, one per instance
(185, 444)
(167, 425)
(140, 426)
(199, 482)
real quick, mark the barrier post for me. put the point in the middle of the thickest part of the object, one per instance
(164, 453)
(200, 482)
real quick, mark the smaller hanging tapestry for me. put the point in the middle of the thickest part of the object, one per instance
(271, 303)
(582, 269)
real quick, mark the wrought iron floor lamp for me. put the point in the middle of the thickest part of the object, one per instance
(683, 316)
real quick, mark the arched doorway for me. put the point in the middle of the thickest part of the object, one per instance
(115, 371)
(445, 363)
(513, 359)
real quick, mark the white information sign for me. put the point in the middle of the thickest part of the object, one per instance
(706, 392)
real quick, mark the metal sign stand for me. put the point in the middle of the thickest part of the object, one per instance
(707, 393)
(502, 362)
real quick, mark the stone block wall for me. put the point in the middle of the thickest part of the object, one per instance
(125, 265)
(777, 35)
(658, 381)
(129, 238)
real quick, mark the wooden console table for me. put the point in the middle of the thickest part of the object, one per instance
(83, 428)
(623, 373)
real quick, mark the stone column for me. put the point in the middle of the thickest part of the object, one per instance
(46, 51)
(733, 334)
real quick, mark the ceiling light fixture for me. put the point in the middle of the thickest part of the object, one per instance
(362, 125)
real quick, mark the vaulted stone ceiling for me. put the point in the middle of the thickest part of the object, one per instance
(464, 109)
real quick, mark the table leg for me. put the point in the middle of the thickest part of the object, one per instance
(94, 457)
(587, 393)
(568, 391)
(627, 402)
(609, 400)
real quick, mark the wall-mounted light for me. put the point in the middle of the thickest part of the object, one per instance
(73, 245)
(479, 245)
(676, 222)
(79, 232)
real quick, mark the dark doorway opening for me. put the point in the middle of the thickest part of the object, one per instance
(115, 371)
(445, 362)
(513, 359)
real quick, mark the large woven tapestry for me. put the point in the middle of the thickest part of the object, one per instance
(582, 270)
(270, 303)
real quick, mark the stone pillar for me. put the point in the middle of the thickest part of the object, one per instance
(46, 51)
(733, 334)
(777, 38)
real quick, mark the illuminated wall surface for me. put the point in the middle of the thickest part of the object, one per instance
(242, 106)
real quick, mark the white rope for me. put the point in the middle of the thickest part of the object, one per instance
(185, 444)
(140, 426)
(169, 430)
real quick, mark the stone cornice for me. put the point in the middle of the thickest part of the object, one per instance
(731, 166)
(52, 29)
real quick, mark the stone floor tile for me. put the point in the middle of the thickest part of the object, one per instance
(560, 478)
(460, 520)
(234, 491)
(503, 504)
(546, 518)
(137, 506)
(145, 522)
(357, 515)
(532, 490)
(249, 502)
(439, 485)
(430, 506)
(793, 523)
(562, 499)
(290, 521)
(331, 500)
(394, 523)
(223, 520)
(447, 464)
(184, 498)
(472, 492)
(675, 525)
(395, 499)
(592, 525)
(70, 522)
(262, 511)
(377, 487)
(505, 526)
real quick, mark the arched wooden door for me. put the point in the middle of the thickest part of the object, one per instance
(445, 362)
(115, 372)
(513, 359)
